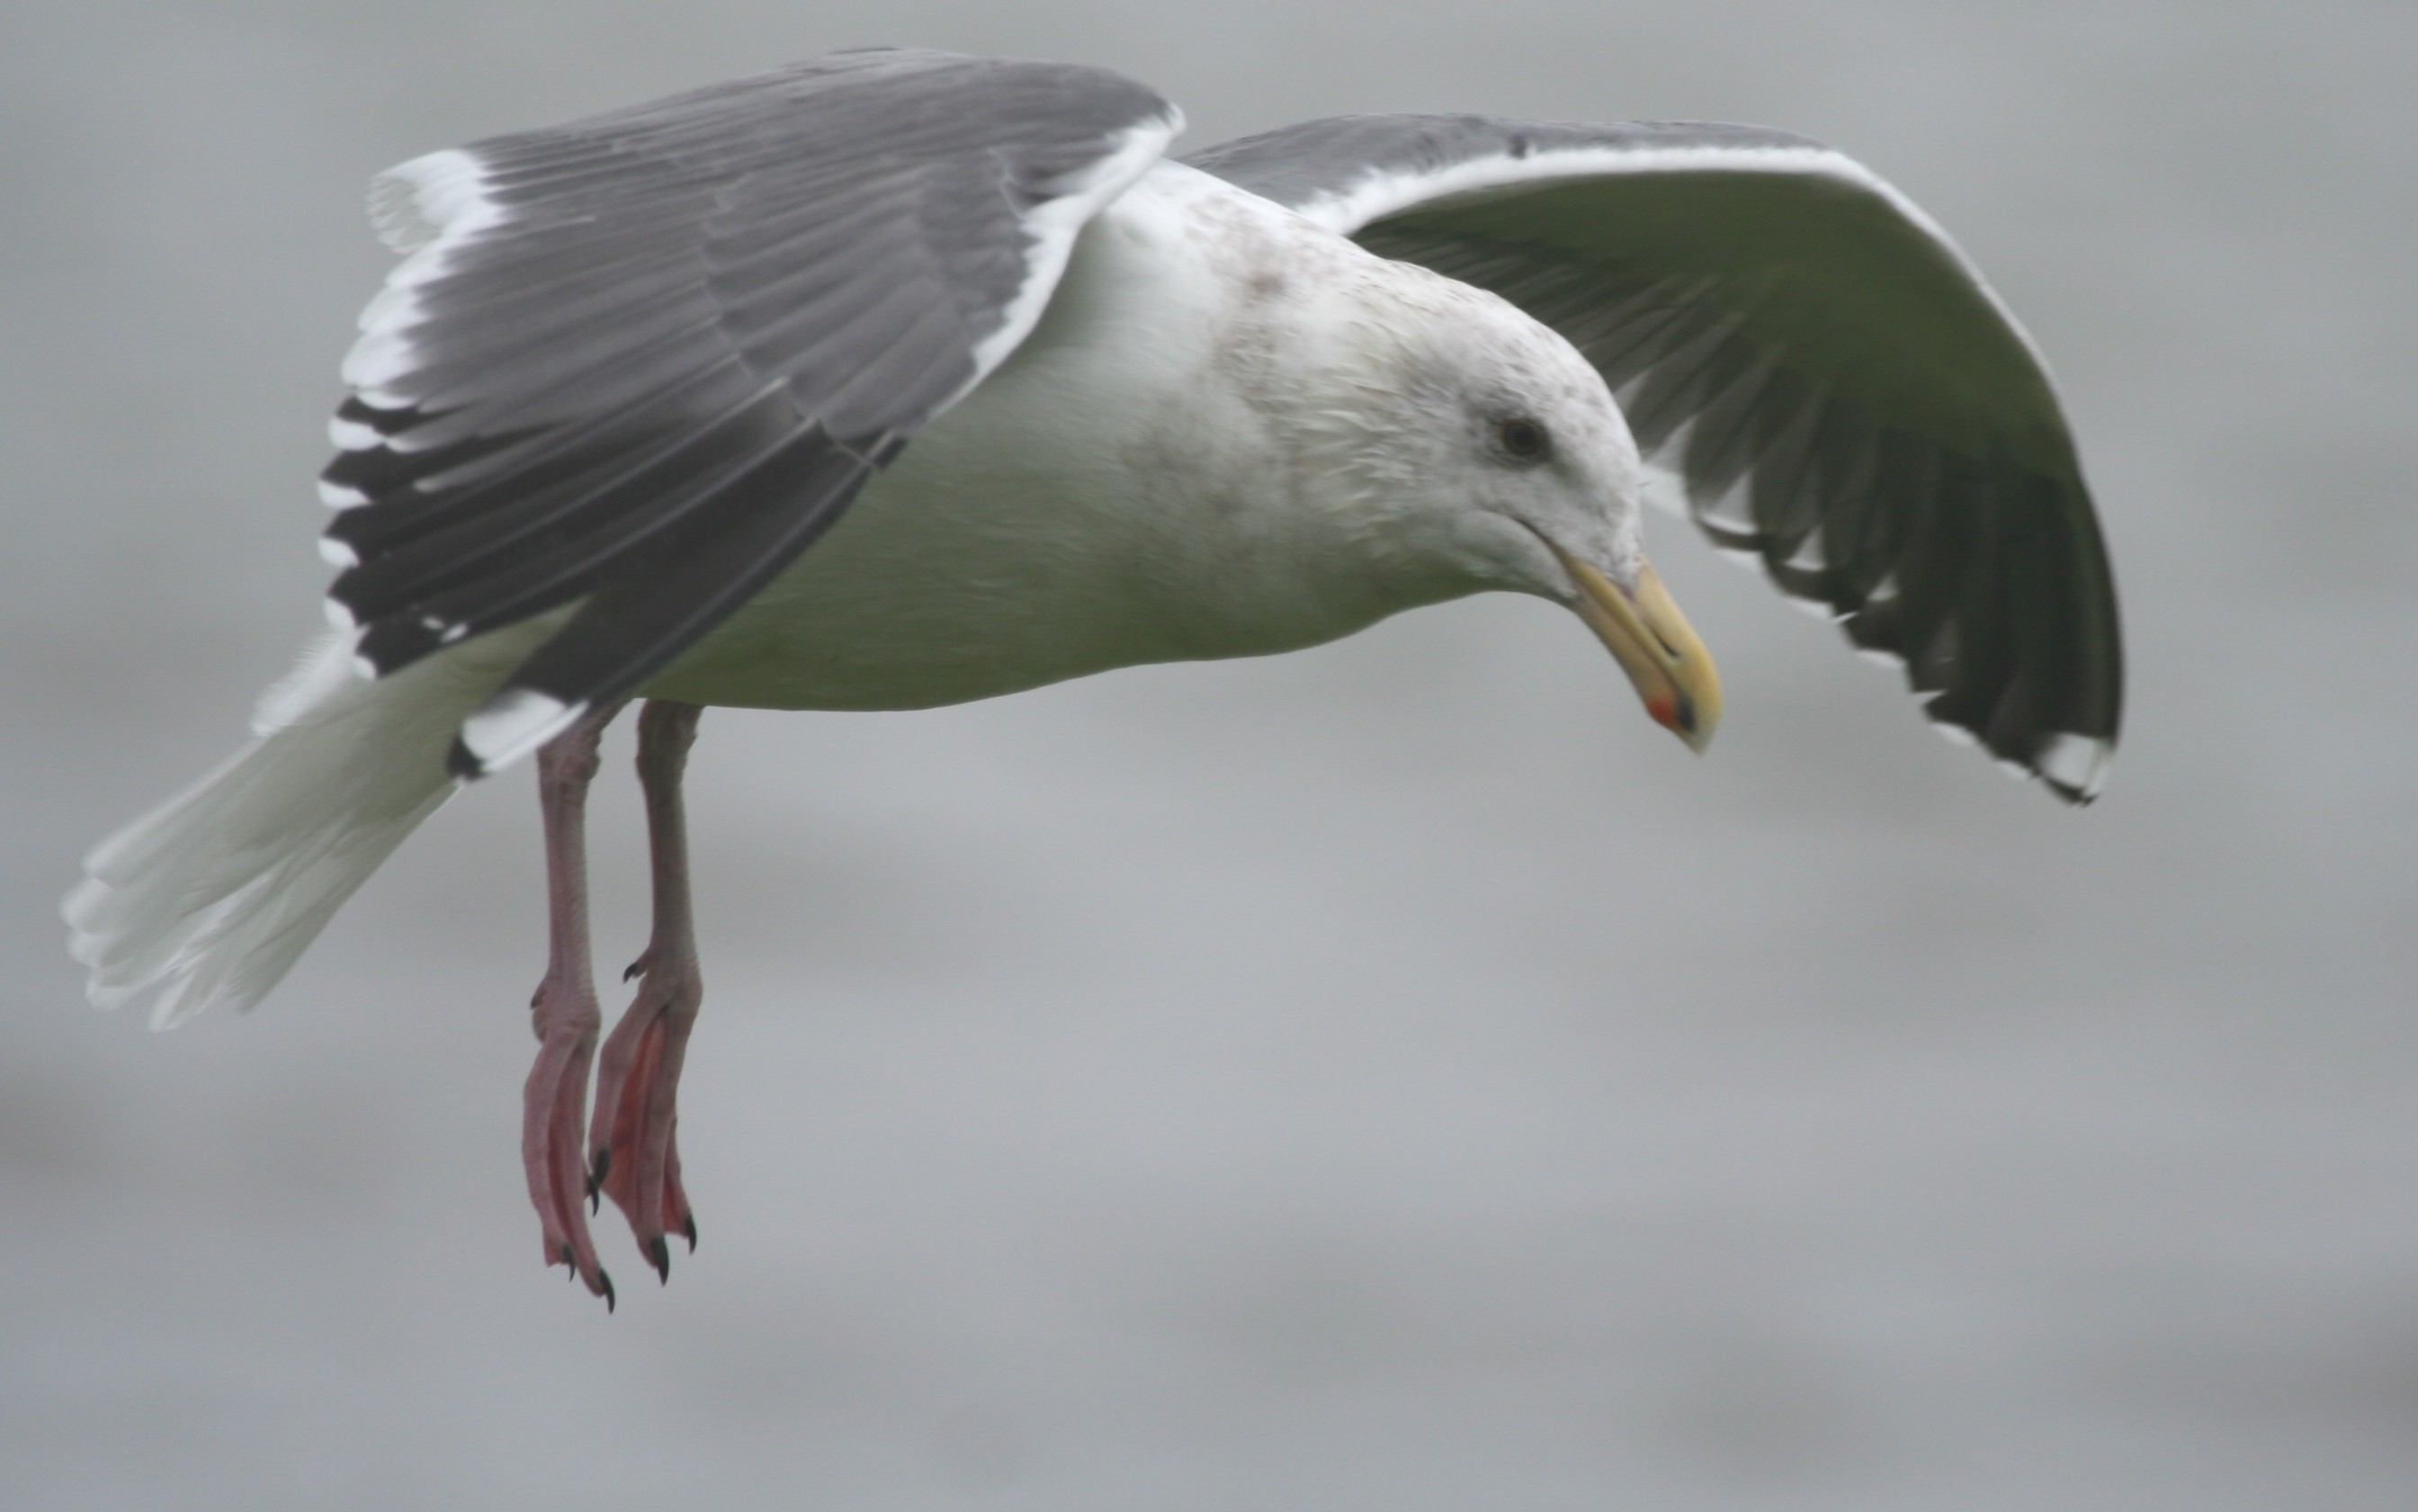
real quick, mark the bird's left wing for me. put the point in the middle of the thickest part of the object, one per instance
(1841, 395)
(638, 362)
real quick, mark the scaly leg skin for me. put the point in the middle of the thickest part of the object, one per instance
(635, 1161)
(563, 1012)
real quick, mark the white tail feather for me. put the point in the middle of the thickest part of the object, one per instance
(213, 896)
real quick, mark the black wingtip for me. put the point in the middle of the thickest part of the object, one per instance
(461, 765)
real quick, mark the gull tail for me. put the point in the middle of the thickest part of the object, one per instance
(211, 898)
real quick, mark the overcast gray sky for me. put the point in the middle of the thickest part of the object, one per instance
(1394, 1076)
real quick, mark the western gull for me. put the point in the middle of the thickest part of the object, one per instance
(1045, 402)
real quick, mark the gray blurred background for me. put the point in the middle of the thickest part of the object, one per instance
(1389, 1077)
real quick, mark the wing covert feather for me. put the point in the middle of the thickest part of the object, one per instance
(638, 362)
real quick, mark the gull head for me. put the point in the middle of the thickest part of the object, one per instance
(1482, 448)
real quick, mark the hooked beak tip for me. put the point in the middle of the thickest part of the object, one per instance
(1678, 715)
(1655, 645)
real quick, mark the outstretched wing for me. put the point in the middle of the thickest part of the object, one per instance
(638, 362)
(1841, 395)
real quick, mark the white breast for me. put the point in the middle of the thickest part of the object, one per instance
(1125, 489)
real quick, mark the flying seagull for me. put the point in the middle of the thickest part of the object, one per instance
(1045, 402)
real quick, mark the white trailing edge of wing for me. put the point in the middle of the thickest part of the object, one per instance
(427, 209)
(1383, 193)
(1054, 224)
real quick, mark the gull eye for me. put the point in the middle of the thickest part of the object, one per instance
(1523, 439)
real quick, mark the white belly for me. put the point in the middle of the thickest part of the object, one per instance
(1109, 497)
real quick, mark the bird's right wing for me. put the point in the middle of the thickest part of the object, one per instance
(1843, 397)
(638, 362)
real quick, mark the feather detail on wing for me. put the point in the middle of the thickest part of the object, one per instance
(1844, 400)
(638, 362)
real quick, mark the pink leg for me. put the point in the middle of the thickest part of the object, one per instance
(563, 1012)
(635, 1160)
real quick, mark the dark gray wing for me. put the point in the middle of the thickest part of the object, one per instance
(1841, 394)
(639, 361)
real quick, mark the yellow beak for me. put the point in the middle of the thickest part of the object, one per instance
(1654, 643)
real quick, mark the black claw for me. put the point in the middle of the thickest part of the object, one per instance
(661, 1253)
(607, 1282)
(568, 1260)
(688, 1227)
(635, 966)
(598, 1166)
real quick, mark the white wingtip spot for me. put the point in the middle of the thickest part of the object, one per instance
(351, 435)
(339, 617)
(427, 209)
(2080, 762)
(338, 554)
(380, 357)
(515, 722)
(392, 307)
(337, 497)
(434, 196)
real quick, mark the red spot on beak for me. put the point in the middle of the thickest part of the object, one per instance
(1664, 710)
